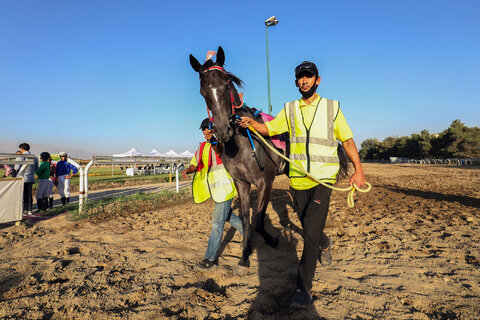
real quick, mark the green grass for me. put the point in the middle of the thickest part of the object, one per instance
(111, 207)
(124, 178)
(55, 211)
(104, 182)
(106, 169)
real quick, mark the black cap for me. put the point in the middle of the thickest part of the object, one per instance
(306, 67)
(205, 124)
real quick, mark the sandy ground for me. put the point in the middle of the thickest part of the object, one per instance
(410, 249)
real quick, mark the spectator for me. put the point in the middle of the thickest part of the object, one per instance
(64, 171)
(43, 173)
(28, 178)
(52, 180)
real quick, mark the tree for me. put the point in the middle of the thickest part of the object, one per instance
(386, 148)
(369, 149)
(460, 141)
(457, 141)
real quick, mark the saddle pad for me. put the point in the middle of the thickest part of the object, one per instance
(278, 140)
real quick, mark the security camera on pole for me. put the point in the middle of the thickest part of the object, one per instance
(268, 23)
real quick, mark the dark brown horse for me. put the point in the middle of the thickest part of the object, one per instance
(246, 168)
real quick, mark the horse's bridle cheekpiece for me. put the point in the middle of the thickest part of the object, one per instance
(233, 117)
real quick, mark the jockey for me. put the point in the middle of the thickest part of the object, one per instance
(64, 171)
(211, 180)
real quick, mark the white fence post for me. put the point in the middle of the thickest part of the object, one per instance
(86, 179)
(81, 192)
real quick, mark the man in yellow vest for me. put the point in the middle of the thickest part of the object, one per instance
(211, 180)
(314, 125)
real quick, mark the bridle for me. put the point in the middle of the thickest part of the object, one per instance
(233, 118)
(232, 100)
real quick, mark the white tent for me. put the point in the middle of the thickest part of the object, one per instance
(155, 153)
(172, 154)
(130, 153)
(187, 154)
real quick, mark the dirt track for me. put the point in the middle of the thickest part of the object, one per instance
(410, 249)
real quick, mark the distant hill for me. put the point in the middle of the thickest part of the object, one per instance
(36, 148)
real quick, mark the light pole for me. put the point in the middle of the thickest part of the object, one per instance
(268, 23)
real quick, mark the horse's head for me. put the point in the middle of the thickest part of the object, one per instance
(219, 92)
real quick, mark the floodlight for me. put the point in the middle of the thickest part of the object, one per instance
(271, 21)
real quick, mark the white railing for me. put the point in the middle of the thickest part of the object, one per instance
(450, 161)
(167, 162)
(13, 189)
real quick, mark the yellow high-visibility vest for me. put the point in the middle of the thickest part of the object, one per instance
(313, 148)
(211, 179)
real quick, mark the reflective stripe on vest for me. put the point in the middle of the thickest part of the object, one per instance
(212, 180)
(314, 158)
(220, 182)
(314, 149)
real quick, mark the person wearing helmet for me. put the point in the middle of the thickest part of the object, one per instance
(43, 173)
(211, 180)
(314, 125)
(64, 171)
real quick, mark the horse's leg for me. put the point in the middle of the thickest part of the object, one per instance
(243, 189)
(264, 190)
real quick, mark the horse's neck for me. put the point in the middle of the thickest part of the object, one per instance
(237, 145)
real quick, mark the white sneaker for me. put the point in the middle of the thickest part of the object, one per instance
(29, 213)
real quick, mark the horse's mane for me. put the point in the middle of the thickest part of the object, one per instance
(235, 79)
(230, 76)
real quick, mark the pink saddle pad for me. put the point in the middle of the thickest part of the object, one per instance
(278, 140)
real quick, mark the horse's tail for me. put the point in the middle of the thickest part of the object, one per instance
(344, 163)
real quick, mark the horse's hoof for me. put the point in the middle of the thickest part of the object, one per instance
(274, 243)
(241, 270)
(244, 263)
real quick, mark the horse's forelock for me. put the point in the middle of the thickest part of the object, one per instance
(208, 64)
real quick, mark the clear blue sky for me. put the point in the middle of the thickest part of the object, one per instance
(108, 75)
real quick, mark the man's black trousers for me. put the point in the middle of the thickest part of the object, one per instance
(27, 196)
(312, 208)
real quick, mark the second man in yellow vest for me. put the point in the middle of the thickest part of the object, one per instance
(211, 180)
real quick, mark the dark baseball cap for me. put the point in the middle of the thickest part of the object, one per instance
(205, 124)
(306, 67)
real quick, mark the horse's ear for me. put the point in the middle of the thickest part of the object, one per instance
(195, 64)
(220, 56)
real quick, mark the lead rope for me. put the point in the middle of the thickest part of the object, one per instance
(351, 189)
